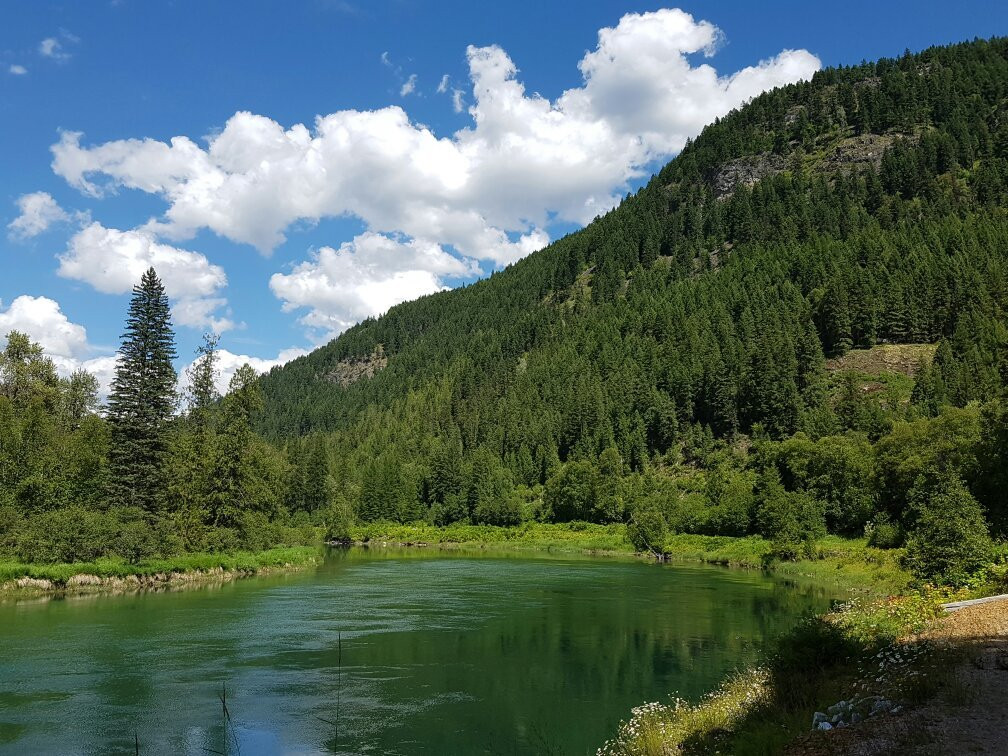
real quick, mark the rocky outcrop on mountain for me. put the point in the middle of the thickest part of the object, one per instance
(745, 171)
(859, 152)
(353, 369)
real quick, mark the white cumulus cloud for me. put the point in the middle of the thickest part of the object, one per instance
(42, 319)
(39, 211)
(228, 362)
(363, 278)
(112, 261)
(486, 192)
(17, 69)
(409, 86)
(65, 342)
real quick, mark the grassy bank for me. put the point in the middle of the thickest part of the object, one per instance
(576, 537)
(848, 662)
(849, 562)
(244, 562)
(857, 667)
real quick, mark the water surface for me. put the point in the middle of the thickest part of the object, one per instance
(382, 652)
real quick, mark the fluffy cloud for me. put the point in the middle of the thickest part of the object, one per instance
(229, 362)
(38, 212)
(201, 313)
(63, 341)
(112, 261)
(526, 156)
(362, 278)
(17, 70)
(486, 192)
(42, 319)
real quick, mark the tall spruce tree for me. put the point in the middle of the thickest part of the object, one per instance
(143, 398)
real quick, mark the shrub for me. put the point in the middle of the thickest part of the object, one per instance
(10, 522)
(883, 533)
(454, 509)
(503, 510)
(730, 503)
(257, 532)
(949, 541)
(338, 520)
(222, 540)
(572, 492)
(70, 534)
(648, 527)
(135, 542)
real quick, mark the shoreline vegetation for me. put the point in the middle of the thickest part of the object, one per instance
(849, 562)
(113, 575)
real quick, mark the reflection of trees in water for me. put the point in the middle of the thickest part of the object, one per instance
(451, 654)
(607, 647)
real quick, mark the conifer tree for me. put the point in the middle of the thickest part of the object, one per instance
(230, 470)
(143, 397)
(201, 392)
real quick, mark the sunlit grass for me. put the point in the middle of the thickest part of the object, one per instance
(657, 729)
(244, 561)
(534, 536)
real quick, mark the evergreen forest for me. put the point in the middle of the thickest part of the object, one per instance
(798, 326)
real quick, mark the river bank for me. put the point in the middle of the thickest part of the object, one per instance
(873, 676)
(815, 667)
(847, 562)
(18, 580)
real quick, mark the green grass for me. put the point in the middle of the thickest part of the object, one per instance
(846, 561)
(246, 561)
(577, 537)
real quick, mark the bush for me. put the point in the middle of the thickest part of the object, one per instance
(257, 532)
(949, 541)
(883, 533)
(10, 522)
(70, 534)
(648, 527)
(135, 539)
(572, 492)
(338, 520)
(222, 540)
(505, 510)
(453, 509)
(729, 503)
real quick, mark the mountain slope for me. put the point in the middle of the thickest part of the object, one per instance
(865, 206)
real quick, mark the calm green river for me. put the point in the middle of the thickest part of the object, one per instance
(439, 654)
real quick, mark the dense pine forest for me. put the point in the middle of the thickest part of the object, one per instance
(698, 360)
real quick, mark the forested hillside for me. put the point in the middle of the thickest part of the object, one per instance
(669, 359)
(799, 325)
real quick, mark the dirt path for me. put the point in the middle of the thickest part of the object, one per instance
(969, 715)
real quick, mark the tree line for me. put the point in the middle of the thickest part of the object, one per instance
(153, 473)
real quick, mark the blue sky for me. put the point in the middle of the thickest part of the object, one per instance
(456, 137)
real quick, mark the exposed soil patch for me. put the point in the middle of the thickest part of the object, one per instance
(884, 358)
